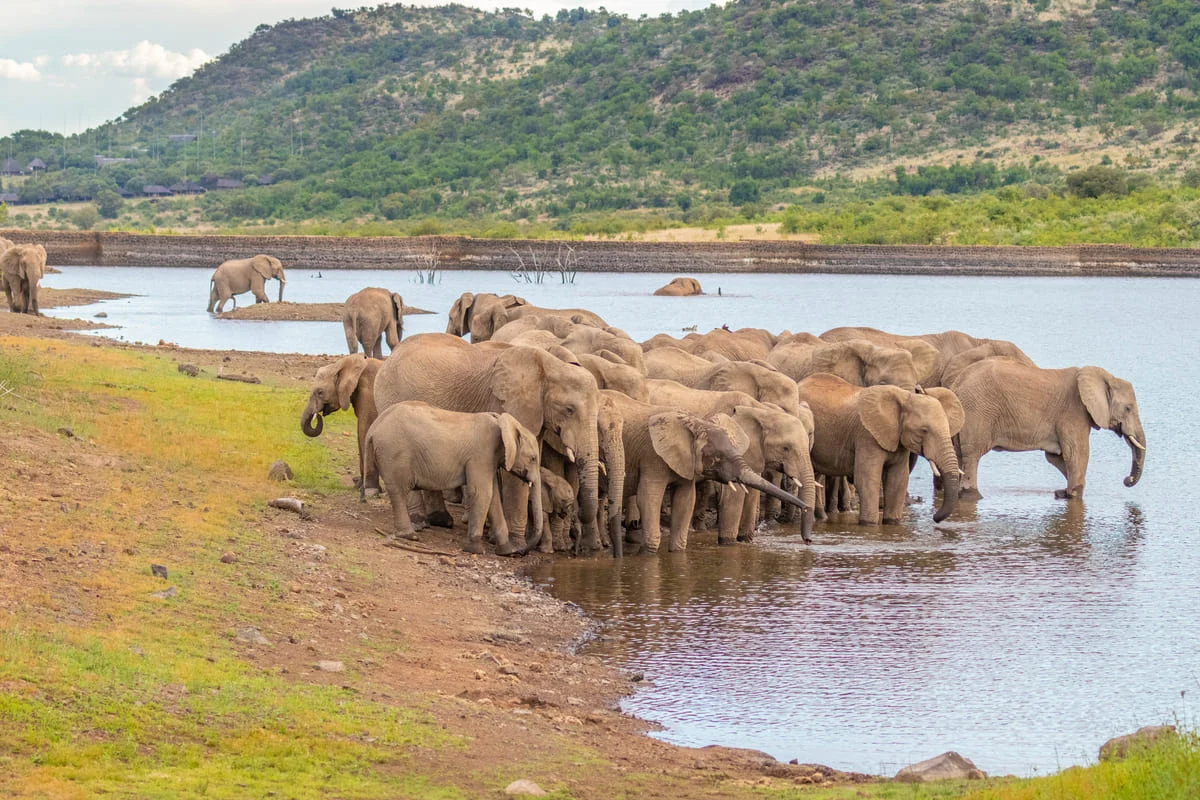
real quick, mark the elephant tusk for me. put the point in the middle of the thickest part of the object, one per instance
(1133, 440)
(937, 473)
(570, 454)
(818, 484)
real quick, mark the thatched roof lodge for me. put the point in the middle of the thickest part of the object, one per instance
(36, 164)
(155, 190)
(187, 187)
(10, 167)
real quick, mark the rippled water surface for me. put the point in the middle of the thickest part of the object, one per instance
(1023, 632)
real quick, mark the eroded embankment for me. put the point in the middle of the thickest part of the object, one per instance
(453, 252)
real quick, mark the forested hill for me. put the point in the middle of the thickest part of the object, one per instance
(403, 111)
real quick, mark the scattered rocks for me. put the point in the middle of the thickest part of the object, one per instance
(279, 471)
(229, 558)
(1119, 746)
(191, 370)
(165, 594)
(331, 666)
(252, 636)
(508, 669)
(524, 787)
(158, 571)
(948, 766)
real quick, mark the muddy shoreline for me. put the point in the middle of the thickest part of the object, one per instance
(70, 248)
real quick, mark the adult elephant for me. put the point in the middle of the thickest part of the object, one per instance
(483, 314)
(680, 287)
(1013, 406)
(743, 344)
(867, 433)
(947, 343)
(21, 270)
(858, 361)
(759, 380)
(611, 372)
(991, 348)
(581, 339)
(368, 316)
(348, 382)
(555, 400)
(667, 447)
(240, 275)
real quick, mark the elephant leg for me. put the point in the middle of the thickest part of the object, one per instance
(516, 505)
(832, 490)
(730, 514)
(846, 495)
(895, 492)
(771, 507)
(704, 497)
(399, 494)
(435, 511)
(819, 512)
(416, 509)
(478, 498)
(33, 300)
(377, 349)
(787, 512)
(868, 475)
(969, 463)
(749, 518)
(649, 500)
(8, 295)
(1075, 457)
(351, 337)
(683, 502)
(259, 287)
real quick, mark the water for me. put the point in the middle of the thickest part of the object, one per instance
(1022, 632)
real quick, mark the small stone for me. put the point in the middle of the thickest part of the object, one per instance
(279, 471)
(636, 677)
(508, 669)
(101, 315)
(158, 571)
(67, 432)
(229, 558)
(1118, 747)
(252, 635)
(524, 787)
(480, 675)
(165, 594)
(191, 370)
(948, 766)
(331, 666)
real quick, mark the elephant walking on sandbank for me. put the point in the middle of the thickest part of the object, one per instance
(241, 275)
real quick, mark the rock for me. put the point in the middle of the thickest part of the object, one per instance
(524, 787)
(279, 471)
(1120, 746)
(67, 432)
(331, 666)
(101, 315)
(229, 558)
(947, 766)
(191, 370)
(158, 571)
(508, 669)
(165, 594)
(252, 635)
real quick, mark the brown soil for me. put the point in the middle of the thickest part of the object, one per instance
(60, 298)
(298, 312)
(491, 657)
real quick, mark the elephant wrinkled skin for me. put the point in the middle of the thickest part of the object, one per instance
(368, 316)
(240, 275)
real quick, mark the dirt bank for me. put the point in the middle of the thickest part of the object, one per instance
(298, 312)
(466, 639)
(61, 298)
(67, 248)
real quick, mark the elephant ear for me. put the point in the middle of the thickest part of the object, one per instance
(674, 435)
(484, 325)
(951, 405)
(728, 378)
(879, 409)
(350, 369)
(460, 315)
(262, 265)
(738, 436)
(563, 354)
(1095, 392)
(844, 359)
(804, 412)
(924, 356)
(517, 383)
(510, 435)
(609, 355)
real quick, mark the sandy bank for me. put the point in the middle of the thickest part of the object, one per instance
(297, 312)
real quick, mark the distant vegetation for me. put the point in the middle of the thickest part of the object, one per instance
(396, 118)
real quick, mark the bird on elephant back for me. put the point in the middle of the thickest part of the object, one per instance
(481, 315)
(240, 275)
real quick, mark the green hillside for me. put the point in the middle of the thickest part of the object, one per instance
(399, 113)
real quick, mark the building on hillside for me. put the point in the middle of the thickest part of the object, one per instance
(37, 165)
(121, 190)
(229, 183)
(9, 198)
(10, 167)
(187, 187)
(155, 190)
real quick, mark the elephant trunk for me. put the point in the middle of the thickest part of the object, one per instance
(808, 494)
(946, 462)
(1137, 446)
(311, 412)
(281, 284)
(749, 477)
(535, 531)
(614, 459)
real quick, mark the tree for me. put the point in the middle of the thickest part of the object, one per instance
(109, 203)
(743, 192)
(85, 218)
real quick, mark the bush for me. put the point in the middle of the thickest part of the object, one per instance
(742, 192)
(1098, 181)
(85, 218)
(109, 203)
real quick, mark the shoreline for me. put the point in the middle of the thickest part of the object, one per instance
(72, 248)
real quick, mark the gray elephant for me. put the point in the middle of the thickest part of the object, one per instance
(414, 445)
(349, 382)
(907, 364)
(743, 344)
(666, 447)
(611, 372)
(680, 287)
(1013, 406)
(947, 343)
(482, 315)
(560, 516)
(536, 330)
(240, 275)
(368, 316)
(21, 270)
(760, 380)
(867, 433)
(555, 400)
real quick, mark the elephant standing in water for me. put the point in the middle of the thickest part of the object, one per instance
(557, 401)
(350, 381)
(680, 287)
(868, 433)
(21, 269)
(240, 275)
(416, 446)
(368, 316)
(948, 344)
(1013, 406)
(481, 315)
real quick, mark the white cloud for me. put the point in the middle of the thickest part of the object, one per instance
(18, 71)
(143, 60)
(141, 91)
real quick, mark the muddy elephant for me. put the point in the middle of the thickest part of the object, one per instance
(1013, 406)
(680, 287)
(759, 380)
(555, 400)
(368, 316)
(867, 433)
(481, 315)
(666, 447)
(240, 275)
(611, 372)
(858, 361)
(413, 445)
(21, 270)
(348, 382)
(947, 343)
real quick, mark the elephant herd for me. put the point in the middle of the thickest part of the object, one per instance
(21, 269)
(563, 433)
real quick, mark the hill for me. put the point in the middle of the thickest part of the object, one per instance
(395, 112)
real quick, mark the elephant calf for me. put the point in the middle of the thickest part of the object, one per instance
(350, 381)
(413, 445)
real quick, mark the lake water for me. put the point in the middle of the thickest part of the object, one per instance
(1023, 632)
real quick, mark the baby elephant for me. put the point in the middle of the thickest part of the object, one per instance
(349, 381)
(413, 445)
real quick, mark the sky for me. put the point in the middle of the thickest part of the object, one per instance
(67, 65)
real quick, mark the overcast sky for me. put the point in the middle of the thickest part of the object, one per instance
(67, 65)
